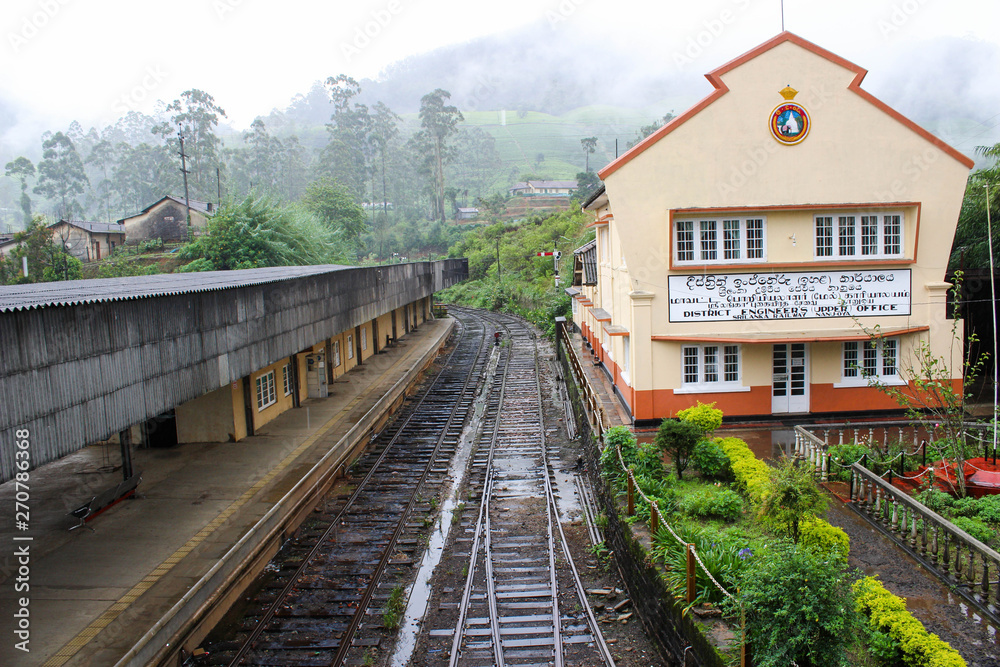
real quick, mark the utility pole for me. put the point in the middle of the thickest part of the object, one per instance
(218, 184)
(187, 199)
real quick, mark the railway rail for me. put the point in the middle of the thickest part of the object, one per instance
(323, 582)
(324, 598)
(523, 602)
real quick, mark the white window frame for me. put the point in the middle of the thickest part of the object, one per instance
(711, 360)
(606, 344)
(858, 235)
(720, 240)
(604, 249)
(364, 338)
(626, 368)
(857, 357)
(336, 353)
(266, 394)
(350, 346)
(286, 378)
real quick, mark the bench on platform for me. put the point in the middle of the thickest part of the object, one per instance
(105, 499)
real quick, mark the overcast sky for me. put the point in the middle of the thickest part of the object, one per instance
(91, 61)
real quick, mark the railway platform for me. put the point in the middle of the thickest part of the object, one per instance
(110, 592)
(599, 381)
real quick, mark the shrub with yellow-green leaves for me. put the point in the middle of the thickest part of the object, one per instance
(704, 415)
(820, 537)
(887, 613)
(752, 475)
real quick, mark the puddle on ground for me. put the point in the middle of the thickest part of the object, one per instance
(420, 593)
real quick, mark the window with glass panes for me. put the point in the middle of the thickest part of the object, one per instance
(710, 364)
(862, 236)
(266, 395)
(870, 359)
(719, 241)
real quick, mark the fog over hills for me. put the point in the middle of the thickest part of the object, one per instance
(948, 85)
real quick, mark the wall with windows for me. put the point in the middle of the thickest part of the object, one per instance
(727, 248)
(270, 393)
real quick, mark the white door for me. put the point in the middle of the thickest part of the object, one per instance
(790, 378)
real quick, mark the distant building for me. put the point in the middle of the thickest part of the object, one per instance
(88, 241)
(543, 188)
(467, 213)
(377, 206)
(166, 219)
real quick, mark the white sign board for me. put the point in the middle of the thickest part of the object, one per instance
(724, 297)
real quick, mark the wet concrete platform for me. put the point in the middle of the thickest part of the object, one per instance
(617, 413)
(94, 594)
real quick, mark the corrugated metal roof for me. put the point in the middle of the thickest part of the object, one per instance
(74, 292)
(586, 264)
(93, 227)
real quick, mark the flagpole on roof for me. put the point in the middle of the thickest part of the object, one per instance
(993, 311)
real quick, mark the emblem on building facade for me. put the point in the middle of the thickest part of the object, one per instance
(790, 122)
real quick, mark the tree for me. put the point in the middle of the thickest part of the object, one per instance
(259, 232)
(492, 207)
(22, 169)
(928, 393)
(102, 157)
(195, 116)
(678, 438)
(971, 246)
(142, 174)
(589, 146)
(439, 122)
(799, 608)
(792, 497)
(347, 155)
(61, 176)
(124, 262)
(47, 260)
(384, 134)
(587, 183)
(647, 130)
(333, 205)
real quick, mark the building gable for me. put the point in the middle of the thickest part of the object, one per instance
(718, 79)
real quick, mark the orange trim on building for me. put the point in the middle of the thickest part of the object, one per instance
(823, 398)
(715, 78)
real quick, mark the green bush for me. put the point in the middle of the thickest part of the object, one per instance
(821, 539)
(726, 562)
(706, 416)
(965, 507)
(844, 455)
(713, 502)
(888, 614)
(752, 475)
(709, 459)
(974, 527)
(989, 509)
(936, 500)
(792, 497)
(678, 438)
(799, 609)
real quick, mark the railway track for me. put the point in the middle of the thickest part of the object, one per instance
(522, 602)
(323, 585)
(326, 596)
